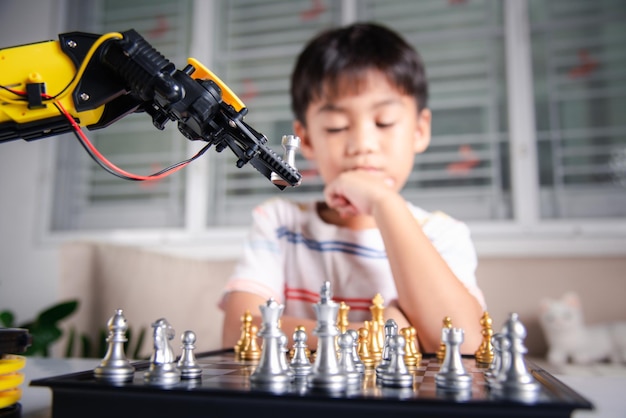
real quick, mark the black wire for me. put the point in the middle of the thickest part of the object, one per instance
(123, 176)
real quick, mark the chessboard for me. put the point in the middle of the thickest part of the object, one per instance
(224, 389)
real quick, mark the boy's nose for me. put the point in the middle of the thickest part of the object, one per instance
(363, 140)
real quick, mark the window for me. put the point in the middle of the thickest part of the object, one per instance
(580, 102)
(528, 98)
(87, 197)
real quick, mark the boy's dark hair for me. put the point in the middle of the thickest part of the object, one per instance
(346, 54)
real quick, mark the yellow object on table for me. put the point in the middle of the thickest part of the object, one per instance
(10, 379)
(10, 397)
(10, 363)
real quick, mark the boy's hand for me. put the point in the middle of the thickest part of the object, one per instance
(357, 192)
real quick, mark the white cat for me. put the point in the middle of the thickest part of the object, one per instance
(570, 339)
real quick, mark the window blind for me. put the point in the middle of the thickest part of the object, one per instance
(259, 41)
(87, 197)
(580, 94)
(463, 172)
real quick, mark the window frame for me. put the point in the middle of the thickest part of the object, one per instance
(526, 234)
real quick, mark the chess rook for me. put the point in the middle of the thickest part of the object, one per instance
(115, 367)
(452, 374)
(272, 369)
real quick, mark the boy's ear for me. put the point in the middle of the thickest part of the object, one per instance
(422, 131)
(306, 149)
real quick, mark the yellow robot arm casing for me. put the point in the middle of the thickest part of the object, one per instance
(42, 62)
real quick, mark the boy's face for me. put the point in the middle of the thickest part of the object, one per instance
(377, 130)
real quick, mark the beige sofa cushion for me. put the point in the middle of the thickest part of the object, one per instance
(147, 285)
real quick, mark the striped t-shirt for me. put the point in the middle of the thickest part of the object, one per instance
(290, 252)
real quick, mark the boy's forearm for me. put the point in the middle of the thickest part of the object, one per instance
(427, 289)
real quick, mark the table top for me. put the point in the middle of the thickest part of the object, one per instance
(605, 392)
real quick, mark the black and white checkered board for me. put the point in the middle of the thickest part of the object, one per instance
(225, 390)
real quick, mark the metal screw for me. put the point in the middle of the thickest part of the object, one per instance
(84, 97)
(72, 44)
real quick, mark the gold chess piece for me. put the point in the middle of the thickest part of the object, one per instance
(412, 355)
(441, 353)
(342, 317)
(377, 327)
(363, 349)
(246, 323)
(484, 354)
(251, 351)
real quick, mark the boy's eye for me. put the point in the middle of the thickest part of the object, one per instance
(337, 129)
(384, 124)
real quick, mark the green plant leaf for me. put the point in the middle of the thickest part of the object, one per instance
(57, 312)
(7, 319)
(71, 339)
(86, 346)
(139, 343)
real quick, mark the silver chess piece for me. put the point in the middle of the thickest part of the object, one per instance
(300, 363)
(391, 329)
(115, 367)
(163, 369)
(187, 364)
(498, 341)
(452, 374)
(345, 342)
(395, 373)
(326, 373)
(290, 144)
(358, 363)
(514, 375)
(272, 369)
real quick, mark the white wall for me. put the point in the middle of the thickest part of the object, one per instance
(28, 268)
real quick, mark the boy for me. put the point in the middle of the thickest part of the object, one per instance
(359, 97)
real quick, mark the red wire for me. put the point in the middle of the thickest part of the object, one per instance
(112, 166)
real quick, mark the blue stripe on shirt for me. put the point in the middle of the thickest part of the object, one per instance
(329, 246)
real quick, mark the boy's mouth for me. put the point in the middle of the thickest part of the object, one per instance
(376, 172)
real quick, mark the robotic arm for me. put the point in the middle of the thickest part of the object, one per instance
(101, 79)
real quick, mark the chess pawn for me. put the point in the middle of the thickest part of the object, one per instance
(452, 374)
(115, 367)
(187, 364)
(441, 353)
(484, 354)
(251, 351)
(391, 329)
(412, 356)
(346, 360)
(363, 348)
(396, 374)
(246, 324)
(499, 342)
(355, 353)
(300, 363)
